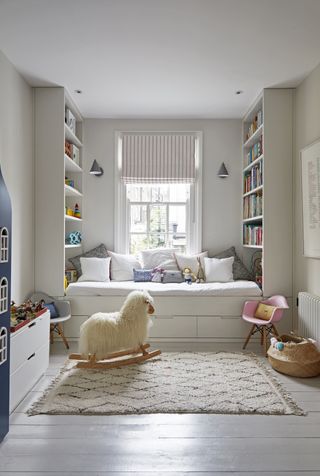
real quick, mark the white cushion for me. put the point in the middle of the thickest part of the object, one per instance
(218, 270)
(122, 266)
(190, 261)
(95, 269)
(159, 258)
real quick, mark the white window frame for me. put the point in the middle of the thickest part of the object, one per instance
(4, 294)
(4, 245)
(3, 345)
(194, 221)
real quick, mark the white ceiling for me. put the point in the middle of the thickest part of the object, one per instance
(162, 58)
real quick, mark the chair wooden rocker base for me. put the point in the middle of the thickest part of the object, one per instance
(114, 360)
(265, 331)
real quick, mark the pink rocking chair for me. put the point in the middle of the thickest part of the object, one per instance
(259, 325)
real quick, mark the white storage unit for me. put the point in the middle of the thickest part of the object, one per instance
(52, 196)
(29, 357)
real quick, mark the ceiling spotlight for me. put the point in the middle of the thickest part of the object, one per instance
(78, 91)
(239, 92)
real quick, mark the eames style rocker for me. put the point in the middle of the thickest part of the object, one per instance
(259, 325)
(64, 311)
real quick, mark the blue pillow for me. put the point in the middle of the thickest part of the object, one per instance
(53, 310)
(142, 275)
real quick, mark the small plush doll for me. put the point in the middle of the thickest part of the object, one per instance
(200, 273)
(188, 276)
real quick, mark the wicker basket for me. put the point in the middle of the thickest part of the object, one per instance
(299, 358)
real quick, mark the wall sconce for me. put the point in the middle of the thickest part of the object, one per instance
(223, 172)
(96, 169)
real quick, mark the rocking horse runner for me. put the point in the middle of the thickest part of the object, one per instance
(105, 337)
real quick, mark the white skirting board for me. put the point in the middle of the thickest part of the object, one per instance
(204, 318)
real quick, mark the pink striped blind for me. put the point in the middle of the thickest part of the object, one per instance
(158, 158)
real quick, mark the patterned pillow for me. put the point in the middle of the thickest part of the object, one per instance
(172, 277)
(98, 252)
(142, 275)
(239, 269)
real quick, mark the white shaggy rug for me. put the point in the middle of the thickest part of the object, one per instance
(185, 382)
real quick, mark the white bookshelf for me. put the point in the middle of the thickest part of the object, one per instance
(53, 195)
(273, 159)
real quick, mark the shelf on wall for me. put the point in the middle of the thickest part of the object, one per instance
(71, 218)
(67, 247)
(253, 246)
(71, 191)
(71, 137)
(253, 163)
(255, 136)
(253, 219)
(254, 190)
(70, 165)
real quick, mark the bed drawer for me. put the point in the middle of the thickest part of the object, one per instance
(221, 326)
(174, 326)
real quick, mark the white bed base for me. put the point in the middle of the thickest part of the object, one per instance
(180, 318)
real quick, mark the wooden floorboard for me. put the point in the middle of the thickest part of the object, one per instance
(180, 445)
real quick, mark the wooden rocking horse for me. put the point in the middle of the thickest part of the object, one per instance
(105, 338)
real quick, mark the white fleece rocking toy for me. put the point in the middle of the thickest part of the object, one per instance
(105, 337)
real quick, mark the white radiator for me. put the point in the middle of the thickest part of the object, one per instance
(309, 316)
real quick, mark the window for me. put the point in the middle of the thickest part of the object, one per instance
(158, 193)
(157, 216)
(4, 245)
(3, 295)
(3, 345)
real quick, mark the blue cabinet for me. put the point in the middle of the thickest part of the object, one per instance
(5, 299)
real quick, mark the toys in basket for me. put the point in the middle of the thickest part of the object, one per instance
(26, 312)
(294, 355)
(106, 337)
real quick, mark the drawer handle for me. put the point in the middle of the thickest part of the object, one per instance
(32, 324)
(31, 356)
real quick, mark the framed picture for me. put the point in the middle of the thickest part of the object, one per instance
(310, 168)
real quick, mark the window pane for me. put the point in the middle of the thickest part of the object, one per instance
(158, 218)
(179, 243)
(157, 241)
(179, 192)
(139, 193)
(138, 218)
(138, 243)
(160, 193)
(177, 219)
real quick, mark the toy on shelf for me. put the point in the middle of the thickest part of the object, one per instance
(200, 274)
(26, 312)
(69, 212)
(73, 238)
(189, 276)
(69, 182)
(71, 276)
(76, 212)
(68, 148)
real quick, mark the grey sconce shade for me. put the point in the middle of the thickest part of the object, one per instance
(96, 169)
(223, 172)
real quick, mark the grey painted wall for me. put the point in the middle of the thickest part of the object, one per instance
(306, 271)
(221, 197)
(16, 158)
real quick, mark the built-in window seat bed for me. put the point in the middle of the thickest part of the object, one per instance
(206, 311)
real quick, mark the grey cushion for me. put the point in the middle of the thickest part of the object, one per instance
(98, 252)
(239, 269)
(172, 277)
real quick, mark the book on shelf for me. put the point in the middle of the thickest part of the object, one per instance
(253, 178)
(252, 205)
(254, 152)
(252, 235)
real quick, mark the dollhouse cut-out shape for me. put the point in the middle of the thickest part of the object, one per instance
(3, 345)
(3, 295)
(4, 245)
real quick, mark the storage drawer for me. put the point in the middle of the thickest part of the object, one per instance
(224, 326)
(174, 326)
(27, 339)
(25, 377)
(71, 327)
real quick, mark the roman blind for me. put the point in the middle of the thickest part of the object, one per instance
(158, 158)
